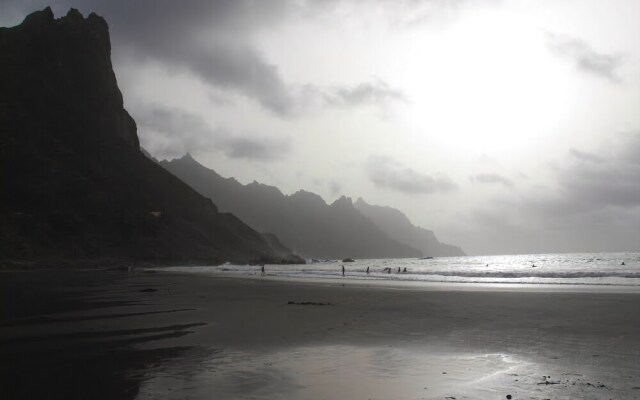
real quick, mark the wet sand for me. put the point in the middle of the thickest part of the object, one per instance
(106, 335)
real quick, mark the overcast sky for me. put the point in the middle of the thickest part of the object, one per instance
(504, 126)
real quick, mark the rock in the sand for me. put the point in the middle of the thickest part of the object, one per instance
(308, 303)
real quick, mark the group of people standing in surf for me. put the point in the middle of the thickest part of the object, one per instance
(386, 269)
(344, 271)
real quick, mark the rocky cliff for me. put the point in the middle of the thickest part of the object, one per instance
(303, 221)
(75, 186)
(395, 224)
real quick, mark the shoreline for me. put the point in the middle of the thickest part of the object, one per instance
(420, 285)
(105, 334)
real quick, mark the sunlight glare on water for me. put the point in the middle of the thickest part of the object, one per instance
(563, 269)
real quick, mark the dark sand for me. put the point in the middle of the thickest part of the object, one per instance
(107, 335)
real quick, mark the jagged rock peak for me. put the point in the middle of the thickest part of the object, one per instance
(39, 18)
(343, 200)
(361, 201)
(308, 196)
(187, 157)
(46, 17)
(74, 15)
(82, 74)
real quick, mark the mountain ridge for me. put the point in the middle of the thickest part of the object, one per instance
(76, 189)
(397, 225)
(303, 220)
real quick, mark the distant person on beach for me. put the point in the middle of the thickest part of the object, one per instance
(404, 271)
(367, 270)
(623, 263)
(262, 273)
(398, 269)
(533, 265)
(343, 270)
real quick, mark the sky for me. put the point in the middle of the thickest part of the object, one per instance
(506, 126)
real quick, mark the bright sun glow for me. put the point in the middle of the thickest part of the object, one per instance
(487, 84)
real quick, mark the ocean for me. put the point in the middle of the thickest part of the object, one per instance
(559, 269)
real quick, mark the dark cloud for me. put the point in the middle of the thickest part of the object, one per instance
(385, 172)
(589, 181)
(375, 93)
(214, 41)
(492, 178)
(170, 132)
(583, 56)
(584, 156)
(237, 67)
(210, 39)
(253, 149)
(606, 184)
(595, 206)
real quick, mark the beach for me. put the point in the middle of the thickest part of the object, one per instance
(143, 335)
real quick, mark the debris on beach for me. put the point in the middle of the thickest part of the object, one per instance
(308, 303)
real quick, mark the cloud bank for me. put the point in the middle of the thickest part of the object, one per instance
(593, 206)
(387, 173)
(583, 56)
(171, 132)
(215, 41)
(492, 178)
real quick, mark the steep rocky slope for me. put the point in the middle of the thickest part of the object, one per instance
(395, 224)
(75, 186)
(302, 221)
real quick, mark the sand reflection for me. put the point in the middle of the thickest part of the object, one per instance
(327, 372)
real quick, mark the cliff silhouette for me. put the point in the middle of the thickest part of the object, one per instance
(397, 225)
(304, 222)
(75, 186)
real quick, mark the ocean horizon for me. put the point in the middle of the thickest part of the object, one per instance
(603, 268)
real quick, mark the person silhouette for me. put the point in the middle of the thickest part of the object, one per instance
(343, 270)
(367, 270)
(262, 273)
